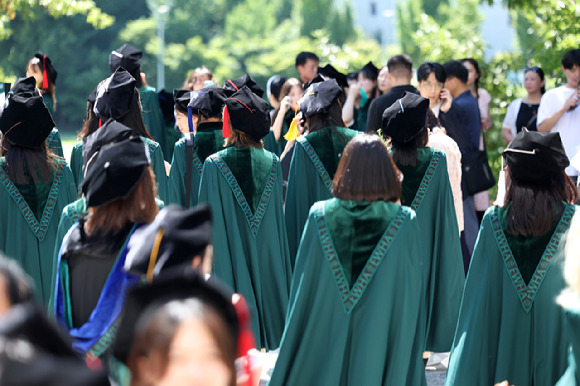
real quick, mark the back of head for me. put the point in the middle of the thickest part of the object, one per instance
(366, 172)
(455, 69)
(303, 57)
(431, 67)
(400, 66)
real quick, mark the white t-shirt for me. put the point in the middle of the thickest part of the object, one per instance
(568, 125)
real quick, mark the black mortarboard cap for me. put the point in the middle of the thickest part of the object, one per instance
(329, 72)
(25, 121)
(25, 87)
(48, 69)
(370, 70)
(167, 106)
(184, 234)
(92, 96)
(317, 79)
(274, 85)
(405, 118)
(111, 132)
(536, 157)
(125, 56)
(209, 101)
(248, 113)
(114, 95)
(319, 97)
(115, 171)
(144, 299)
(35, 353)
(232, 86)
(181, 99)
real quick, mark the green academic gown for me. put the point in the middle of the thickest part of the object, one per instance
(572, 319)
(312, 169)
(244, 189)
(426, 189)
(157, 164)
(350, 328)
(270, 143)
(508, 330)
(208, 140)
(29, 233)
(153, 118)
(54, 143)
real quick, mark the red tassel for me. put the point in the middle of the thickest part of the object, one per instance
(44, 75)
(226, 125)
(246, 340)
(100, 122)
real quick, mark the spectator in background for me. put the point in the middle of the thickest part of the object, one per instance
(463, 125)
(558, 110)
(273, 88)
(307, 66)
(360, 97)
(198, 78)
(400, 69)
(383, 80)
(523, 112)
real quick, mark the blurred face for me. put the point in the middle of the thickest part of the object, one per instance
(383, 80)
(452, 84)
(471, 73)
(199, 81)
(194, 358)
(309, 70)
(295, 94)
(572, 75)
(431, 88)
(367, 84)
(34, 70)
(181, 120)
(532, 82)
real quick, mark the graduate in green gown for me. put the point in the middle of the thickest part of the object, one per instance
(203, 138)
(121, 103)
(510, 327)
(120, 194)
(360, 96)
(316, 156)
(37, 185)
(426, 189)
(129, 58)
(243, 185)
(355, 315)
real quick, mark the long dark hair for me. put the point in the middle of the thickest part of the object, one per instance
(91, 123)
(405, 153)
(535, 207)
(477, 69)
(366, 172)
(25, 165)
(332, 118)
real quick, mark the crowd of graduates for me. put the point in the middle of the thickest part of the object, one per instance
(342, 225)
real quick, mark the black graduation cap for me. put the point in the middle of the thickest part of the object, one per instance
(329, 72)
(167, 106)
(248, 113)
(536, 157)
(33, 352)
(209, 101)
(185, 233)
(111, 132)
(370, 70)
(93, 96)
(317, 79)
(406, 117)
(125, 56)
(115, 171)
(114, 95)
(274, 85)
(25, 121)
(48, 70)
(231, 86)
(143, 300)
(181, 99)
(25, 87)
(318, 97)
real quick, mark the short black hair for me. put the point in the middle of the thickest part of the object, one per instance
(303, 57)
(427, 68)
(570, 59)
(456, 69)
(399, 63)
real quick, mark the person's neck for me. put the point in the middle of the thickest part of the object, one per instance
(434, 103)
(460, 90)
(571, 84)
(534, 98)
(472, 90)
(395, 82)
